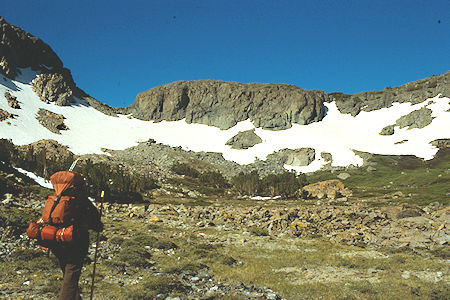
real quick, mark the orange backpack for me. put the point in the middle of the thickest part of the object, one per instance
(61, 210)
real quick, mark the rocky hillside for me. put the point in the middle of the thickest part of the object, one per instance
(223, 104)
(413, 92)
(20, 49)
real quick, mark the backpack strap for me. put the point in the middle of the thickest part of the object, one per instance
(55, 202)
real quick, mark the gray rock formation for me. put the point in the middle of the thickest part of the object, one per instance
(297, 157)
(343, 176)
(414, 92)
(244, 140)
(12, 101)
(53, 87)
(441, 143)
(52, 121)
(388, 130)
(416, 119)
(19, 49)
(223, 104)
(326, 156)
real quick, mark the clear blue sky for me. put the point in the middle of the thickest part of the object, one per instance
(116, 49)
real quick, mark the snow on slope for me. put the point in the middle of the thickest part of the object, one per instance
(39, 180)
(91, 130)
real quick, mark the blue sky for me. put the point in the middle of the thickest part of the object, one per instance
(116, 49)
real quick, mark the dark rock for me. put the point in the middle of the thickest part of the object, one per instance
(19, 49)
(12, 101)
(6, 115)
(413, 92)
(244, 140)
(388, 130)
(223, 104)
(441, 143)
(52, 121)
(416, 119)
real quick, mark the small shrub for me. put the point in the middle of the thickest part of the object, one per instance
(248, 184)
(185, 169)
(133, 256)
(214, 179)
(27, 254)
(117, 240)
(157, 285)
(258, 231)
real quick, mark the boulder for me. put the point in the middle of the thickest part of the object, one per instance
(331, 189)
(300, 157)
(54, 87)
(416, 119)
(6, 115)
(388, 130)
(12, 101)
(244, 140)
(326, 156)
(343, 176)
(52, 121)
(223, 104)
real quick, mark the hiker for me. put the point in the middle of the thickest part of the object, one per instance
(68, 210)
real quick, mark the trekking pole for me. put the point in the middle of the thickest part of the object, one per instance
(102, 195)
(73, 165)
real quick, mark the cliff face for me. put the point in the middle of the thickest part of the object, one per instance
(19, 49)
(414, 92)
(223, 104)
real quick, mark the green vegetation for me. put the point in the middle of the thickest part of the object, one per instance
(418, 181)
(6, 150)
(285, 184)
(121, 185)
(185, 169)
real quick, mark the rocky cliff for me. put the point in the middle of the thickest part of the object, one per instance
(20, 49)
(223, 104)
(414, 92)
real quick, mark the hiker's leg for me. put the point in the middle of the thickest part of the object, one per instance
(69, 289)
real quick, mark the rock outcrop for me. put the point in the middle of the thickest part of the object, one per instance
(12, 101)
(54, 87)
(388, 130)
(441, 143)
(223, 104)
(327, 157)
(52, 121)
(416, 119)
(244, 140)
(19, 49)
(4, 115)
(330, 189)
(413, 92)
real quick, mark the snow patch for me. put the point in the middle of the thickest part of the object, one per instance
(39, 180)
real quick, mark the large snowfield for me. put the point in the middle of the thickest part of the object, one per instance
(338, 134)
